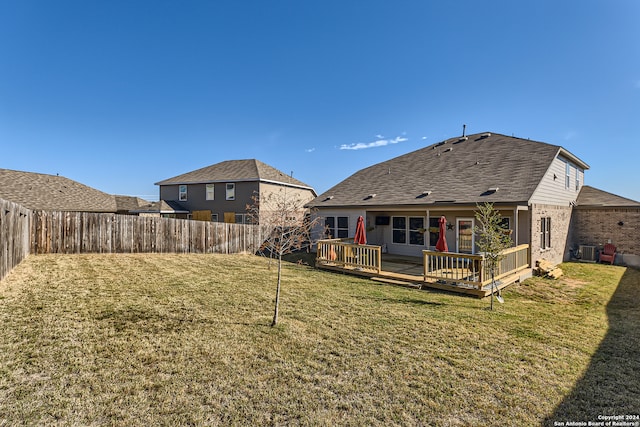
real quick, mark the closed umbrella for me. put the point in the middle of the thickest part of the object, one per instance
(360, 237)
(441, 246)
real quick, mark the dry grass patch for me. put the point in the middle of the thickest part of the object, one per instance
(185, 340)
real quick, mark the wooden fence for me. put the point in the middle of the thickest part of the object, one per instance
(23, 231)
(85, 232)
(14, 235)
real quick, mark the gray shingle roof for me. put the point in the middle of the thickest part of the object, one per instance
(235, 170)
(593, 197)
(457, 170)
(52, 192)
(162, 206)
(130, 203)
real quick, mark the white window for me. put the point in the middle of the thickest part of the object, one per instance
(545, 232)
(567, 182)
(182, 193)
(231, 191)
(577, 179)
(241, 218)
(399, 229)
(408, 230)
(337, 227)
(210, 192)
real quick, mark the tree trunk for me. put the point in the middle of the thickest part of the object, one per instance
(493, 282)
(275, 311)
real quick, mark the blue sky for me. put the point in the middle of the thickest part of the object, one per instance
(121, 94)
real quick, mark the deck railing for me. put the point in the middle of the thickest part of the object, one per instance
(344, 253)
(513, 260)
(450, 267)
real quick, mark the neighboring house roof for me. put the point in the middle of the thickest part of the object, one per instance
(130, 203)
(236, 170)
(459, 170)
(163, 207)
(593, 197)
(52, 192)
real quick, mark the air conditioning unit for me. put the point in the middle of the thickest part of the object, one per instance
(587, 253)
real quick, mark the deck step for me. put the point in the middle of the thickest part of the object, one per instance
(398, 282)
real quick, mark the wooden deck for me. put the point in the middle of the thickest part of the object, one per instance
(460, 273)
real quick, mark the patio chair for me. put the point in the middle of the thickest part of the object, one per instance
(608, 254)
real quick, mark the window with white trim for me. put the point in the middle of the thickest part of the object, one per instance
(416, 230)
(182, 193)
(567, 182)
(242, 218)
(408, 230)
(210, 192)
(337, 227)
(545, 232)
(231, 191)
(399, 229)
(577, 179)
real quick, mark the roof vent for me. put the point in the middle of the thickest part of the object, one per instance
(328, 198)
(485, 135)
(493, 189)
(370, 196)
(463, 138)
(448, 149)
(423, 194)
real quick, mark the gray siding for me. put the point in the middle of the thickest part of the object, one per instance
(352, 214)
(245, 192)
(196, 197)
(552, 188)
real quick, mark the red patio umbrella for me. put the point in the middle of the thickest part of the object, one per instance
(442, 239)
(360, 237)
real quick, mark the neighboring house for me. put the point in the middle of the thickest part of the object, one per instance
(533, 184)
(600, 218)
(52, 192)
(39, 191)
(162, 209)
(131, 205)
(221, 192)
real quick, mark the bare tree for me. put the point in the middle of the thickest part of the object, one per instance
(492, 239)
(290, 226)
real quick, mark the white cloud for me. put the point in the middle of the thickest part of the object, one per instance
(379, 136)
(380, 142)
(423, 138)
(310, 150)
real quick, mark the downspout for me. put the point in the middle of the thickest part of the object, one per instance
(515, 225)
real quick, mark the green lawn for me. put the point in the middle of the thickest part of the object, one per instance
(185, 340)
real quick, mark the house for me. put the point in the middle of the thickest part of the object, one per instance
(222, 191)
(39, 191)
(534, 185)
(599, 218)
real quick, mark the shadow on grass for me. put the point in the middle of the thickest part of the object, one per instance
(610, 383)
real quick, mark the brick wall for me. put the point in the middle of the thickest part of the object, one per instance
(560, 221)
(597, 226)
